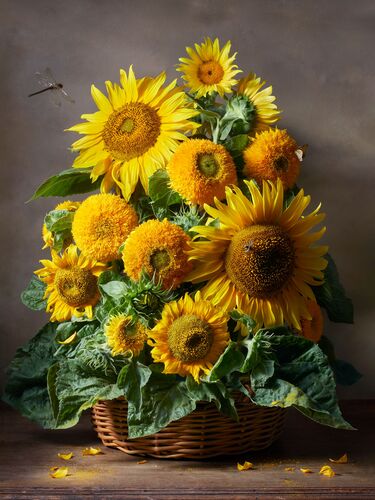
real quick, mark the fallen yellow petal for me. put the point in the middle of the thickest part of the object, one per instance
(141, 462)
(53, 468)
(65, 456)
(91, 451)
(341, 460)
(69, 340)
(289, 469)
(245, 466)
(60, 472)
(305, 470)
(326, 470)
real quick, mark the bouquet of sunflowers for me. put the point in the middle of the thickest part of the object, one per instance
(196, 273)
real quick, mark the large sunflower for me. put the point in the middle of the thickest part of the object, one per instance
(101, 225)
(200, 169)
(136, 130)
(159, 248)
(261, 257)
(262, 100)
(71, 284)
(209, 69)
(190, 336)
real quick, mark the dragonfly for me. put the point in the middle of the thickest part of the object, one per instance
(55, 89)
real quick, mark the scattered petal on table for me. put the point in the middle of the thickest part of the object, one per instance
(65, 456)
(60, 472)
(326, 470)
(91, 451)
(69, 340)
(305, 470)
(141, 462)
(341, 460)
(245, 466)
(289, 469)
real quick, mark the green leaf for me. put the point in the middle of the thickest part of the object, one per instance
(71, 181)
(345, 373)
(213, 392)
(132, 378)
(244, 319)
(115, 289)
(33, 296)
(331, 295)
(235, 145)
(232, 359)
(59, 220)
(160, 192)
(26, 386)
(238, 117)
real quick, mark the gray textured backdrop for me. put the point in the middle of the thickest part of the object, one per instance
(318, 55)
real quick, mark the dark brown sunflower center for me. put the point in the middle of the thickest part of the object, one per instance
(160, 259)
(190, 338)
(207, 165)
(75, 286)
(281, 164)
(260, 260)
(131, 130)
(210, 72)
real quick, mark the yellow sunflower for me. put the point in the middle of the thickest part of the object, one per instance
(159, 248)
(200, 169)
(260, 258)
(71, 284)
(313, 329)
(46, 234)
(134, 133)
(124, 335)
(265, 110)
(101, 225)
(271, 156)
(209, 69)
(190, 336)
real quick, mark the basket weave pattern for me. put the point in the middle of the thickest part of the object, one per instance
(204, 433)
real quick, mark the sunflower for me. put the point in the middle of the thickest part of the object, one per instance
(261, 257)
(134, 133)
(71, 284)
(190, 336)
(313, 329)
(200, 169)
(101, 225)
(272, 155)
(124, 335)
(47, 235)
(262, 101)
(209, 69)
(157, 247)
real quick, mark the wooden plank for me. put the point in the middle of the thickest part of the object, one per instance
(27, 452)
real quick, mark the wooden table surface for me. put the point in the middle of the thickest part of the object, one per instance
(27, 453)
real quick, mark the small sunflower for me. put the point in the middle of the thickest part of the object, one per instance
(200, 169)
(124, 335)
(101, 225)
(312, 329)
(47, 235)
(271, 156)
(261, 257)
(71, 281)
(209, 69)
(265, 111)
(157, 247)
(190, 336)
(134, 133)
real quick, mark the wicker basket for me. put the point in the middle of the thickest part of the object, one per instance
(202, 434)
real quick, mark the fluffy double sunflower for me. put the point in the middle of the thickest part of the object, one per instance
(190, 336)
(261, 258)
(71, 281)
(208, 68)
(134, 133)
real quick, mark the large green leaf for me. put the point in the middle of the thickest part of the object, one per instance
(33, 296)
(26, 385)
(331, 295)
(71, 181)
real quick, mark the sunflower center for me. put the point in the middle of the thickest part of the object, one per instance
(103, 228)
(75, 286)
(131, 130)
(210, 72)
(260, 260)
(207, 165)
(190, 338)
(160, 259)
(281, 164)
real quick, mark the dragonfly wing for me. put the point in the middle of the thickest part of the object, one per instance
(49, 75)
(67, 96)
(42, 79)
(55, 97)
